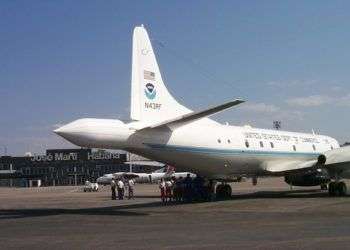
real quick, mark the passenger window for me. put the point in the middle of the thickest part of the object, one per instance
(272, 145)
(229, 141)
(247, 144)
(294, 148)
(332, 148)
(219, 141)
(261, 144)
(314, 147)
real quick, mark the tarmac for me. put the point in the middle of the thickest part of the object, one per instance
(266, 216)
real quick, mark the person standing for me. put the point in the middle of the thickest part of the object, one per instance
(131, 185)
(113, 186)
(181, 188)
(120, 187)
(168, 190)
(162, 189)
(188, 188)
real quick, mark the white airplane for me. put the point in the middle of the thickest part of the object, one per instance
(163, 130)
(163, 173)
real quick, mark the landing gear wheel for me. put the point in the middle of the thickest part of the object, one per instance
(228, 191)
(219, 191)
(323, 186)
(337, 189)
(223, 191)
(332, 188)
(341, 187)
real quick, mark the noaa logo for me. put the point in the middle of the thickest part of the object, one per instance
(150, 91)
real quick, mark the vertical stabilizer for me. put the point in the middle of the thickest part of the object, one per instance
(150, 99)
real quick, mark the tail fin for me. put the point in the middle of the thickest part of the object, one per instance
(150, 99)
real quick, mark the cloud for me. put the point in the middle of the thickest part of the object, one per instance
(260, 108)
(309, 101)
(319, 100)
(336, 88)
(344, 101)
(292, 83)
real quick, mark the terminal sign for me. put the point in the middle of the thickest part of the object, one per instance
(56, 157)
(103, 156)
(74, 157)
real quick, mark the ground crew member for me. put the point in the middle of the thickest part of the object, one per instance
(212, 185)
(162, 189)
(176, 189)
(188, 186)
(198, 186)
(113, 186)
(168, 189)
(181, 188)
(120, 187)
(131, 185)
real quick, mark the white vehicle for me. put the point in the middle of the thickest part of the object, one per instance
(165, 173)
(90, 187)
(164, 130)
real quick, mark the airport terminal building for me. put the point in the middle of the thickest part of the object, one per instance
(62, 167)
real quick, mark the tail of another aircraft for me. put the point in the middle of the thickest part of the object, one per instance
(150, 99)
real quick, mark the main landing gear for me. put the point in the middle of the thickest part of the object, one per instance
(223, 191)
(336, 188)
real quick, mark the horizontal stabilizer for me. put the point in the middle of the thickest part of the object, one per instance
(194, 116)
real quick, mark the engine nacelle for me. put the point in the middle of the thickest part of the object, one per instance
(309, 178)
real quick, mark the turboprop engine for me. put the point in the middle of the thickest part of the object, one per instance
(309, 178)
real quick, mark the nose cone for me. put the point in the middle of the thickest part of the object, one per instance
(72, 131)
(64, 130)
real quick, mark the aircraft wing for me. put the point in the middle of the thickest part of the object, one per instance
(146, 163)
(276, 167)
(336, 161)
(130, 175)
(194, 116)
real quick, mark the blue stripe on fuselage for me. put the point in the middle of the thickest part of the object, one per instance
(229, 151)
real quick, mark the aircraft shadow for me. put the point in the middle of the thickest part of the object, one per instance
(124, 210)
(290, 194)
(111, 211)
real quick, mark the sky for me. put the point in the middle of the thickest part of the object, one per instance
(64, 60)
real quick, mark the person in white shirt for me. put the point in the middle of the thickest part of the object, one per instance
(162, 188)
(131, 185)
(120, 187)
(168, 190)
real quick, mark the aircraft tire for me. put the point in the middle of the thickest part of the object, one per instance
(332, 189)
(341, 187)
(223, 191)
(228, 191)
(220, 191)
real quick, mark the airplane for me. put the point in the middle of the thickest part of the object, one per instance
(163, 130)
(163, 173)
